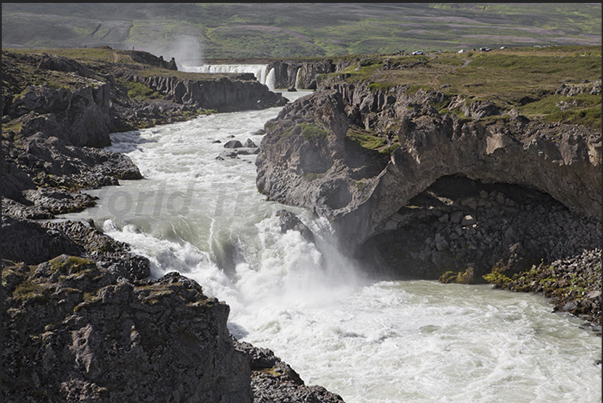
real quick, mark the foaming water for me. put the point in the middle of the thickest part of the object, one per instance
(415, 341)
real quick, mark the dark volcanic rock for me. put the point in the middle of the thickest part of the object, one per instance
(80, 117)
(85, 336)
(27, 241)
(249, 144)
(315, 172)
(233, 144)
(290, 221)
(273, 380)
(223, 94)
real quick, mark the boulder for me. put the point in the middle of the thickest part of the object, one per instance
(290, 221)
(233, 144)
(249, 144)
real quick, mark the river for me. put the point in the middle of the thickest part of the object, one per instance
(365, 339)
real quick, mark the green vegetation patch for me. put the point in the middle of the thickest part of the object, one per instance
(309, 132)
(66, 265)
(140, 91)
(312, 132)
(310, 176)
(525, 79)
(584, 109)
(498, 279)
(588, 117)
(366, 140)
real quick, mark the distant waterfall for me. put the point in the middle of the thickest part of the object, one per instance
(297, 78)
(270, 80)
(259, 70)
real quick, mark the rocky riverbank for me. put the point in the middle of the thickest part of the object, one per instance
(459, 196)
(82, 321)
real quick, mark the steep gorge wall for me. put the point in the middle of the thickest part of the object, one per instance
(561, 160)
(222, 94)
(286, 72)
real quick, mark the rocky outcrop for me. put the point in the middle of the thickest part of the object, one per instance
(223, 94)
(287, 74)
(273, 380)
(42, 175)
(561, 160)
(80, 117)
(290, 221)
(453, 199)
(75, 331)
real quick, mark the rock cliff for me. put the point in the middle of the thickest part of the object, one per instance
(458, 195)
(223, 95)
(286, 73)
(562, 161)
(75, 331)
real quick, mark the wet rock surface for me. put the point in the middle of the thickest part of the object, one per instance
(290, 221)
(273, 380)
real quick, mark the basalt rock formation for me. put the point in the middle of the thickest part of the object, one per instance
(223, 95)
(301, 74)
(457, 195)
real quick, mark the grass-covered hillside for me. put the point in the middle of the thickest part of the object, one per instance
(192, 32)
(552, 83)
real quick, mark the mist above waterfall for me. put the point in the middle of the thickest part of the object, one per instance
(187, 49)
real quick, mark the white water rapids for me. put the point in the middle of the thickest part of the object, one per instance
(369, 341)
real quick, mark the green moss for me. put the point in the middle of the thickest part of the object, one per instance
(312, 132)
(310, 176)
(13, 126)
(489, 120)
(140, 91)
(588, 117)
(66, 265)
(439, 105)
(413, 89)
(309, 132)
(381, 86)
(457, 277)
(366, 140)
(269, 126)
(497, 279)
(29, 290)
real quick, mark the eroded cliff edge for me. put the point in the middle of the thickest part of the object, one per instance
(455, 198)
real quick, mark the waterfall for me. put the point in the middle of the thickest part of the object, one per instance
(259, 70)
(270, 80)
(297, 78)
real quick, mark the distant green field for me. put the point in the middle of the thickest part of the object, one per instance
(192, 32)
